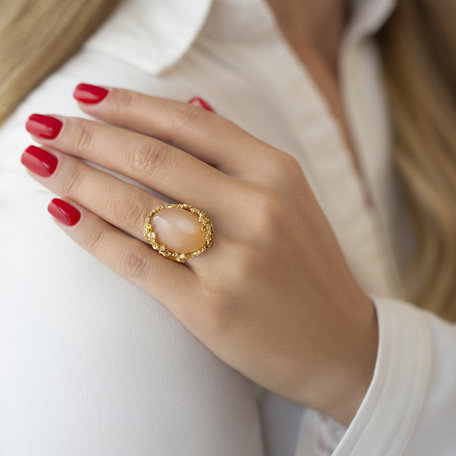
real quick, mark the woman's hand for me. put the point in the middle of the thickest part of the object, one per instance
(273, 296)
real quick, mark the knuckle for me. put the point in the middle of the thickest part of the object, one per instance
(94, 240)
(129, 209)
(83, 135)
(149, 157)
(266, 213)
(187, 115)
(290, 163)
(221, 299)
(281, 166)
(134, 263)
(221, 311)
(292, 169)
(72, 182)
(248, 262)
(285, 174)
(122, 99)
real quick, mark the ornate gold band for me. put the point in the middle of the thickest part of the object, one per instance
(202, 231)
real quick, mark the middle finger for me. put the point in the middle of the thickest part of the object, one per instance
(164, 168)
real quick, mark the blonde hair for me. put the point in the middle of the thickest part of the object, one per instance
(418, 46)
(419, 53)
(37, 36)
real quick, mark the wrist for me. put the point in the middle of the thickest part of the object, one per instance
(356, 377)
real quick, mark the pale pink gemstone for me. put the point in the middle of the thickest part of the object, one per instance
(179, 230)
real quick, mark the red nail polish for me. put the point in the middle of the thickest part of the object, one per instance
(197, 101)
(64, 212)
(39, 161)
(43, 126)
(89, 94)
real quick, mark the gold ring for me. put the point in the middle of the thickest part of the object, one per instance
(178, 231)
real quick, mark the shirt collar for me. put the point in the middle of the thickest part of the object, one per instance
(155, 34)
(367, 17)
(151, 34)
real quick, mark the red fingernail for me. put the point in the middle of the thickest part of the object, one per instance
(64, 212)
(43, 126)
(89, 94)
(39, 161)
(197, 101)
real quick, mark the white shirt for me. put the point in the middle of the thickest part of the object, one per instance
(92, 365)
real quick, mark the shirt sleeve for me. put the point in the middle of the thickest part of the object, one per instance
(410, 406)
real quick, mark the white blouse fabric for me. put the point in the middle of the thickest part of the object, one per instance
(90, 364)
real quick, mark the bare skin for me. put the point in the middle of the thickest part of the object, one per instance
(314, 31)
(290, 316)
(292, 319)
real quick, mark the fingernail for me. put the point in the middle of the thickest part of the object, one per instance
(197, 101)
(64, 212)
(39, 161)
(43, 126)
(89, 94)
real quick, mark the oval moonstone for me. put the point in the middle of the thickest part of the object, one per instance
(178, 229)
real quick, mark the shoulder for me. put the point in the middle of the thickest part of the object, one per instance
(136, 44)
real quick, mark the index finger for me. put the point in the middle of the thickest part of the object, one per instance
(199, 132)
